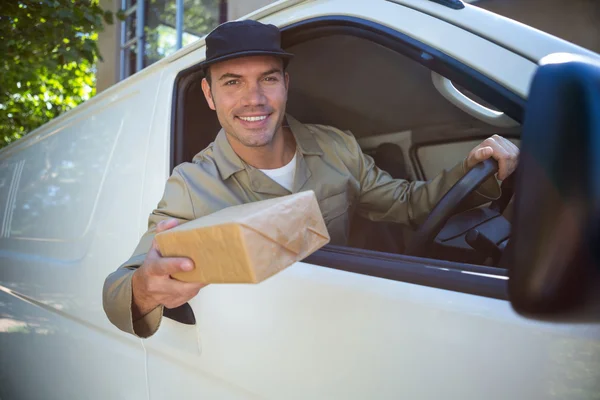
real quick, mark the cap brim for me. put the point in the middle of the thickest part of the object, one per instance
(284, 55)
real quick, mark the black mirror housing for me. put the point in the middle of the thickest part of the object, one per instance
(554, 254)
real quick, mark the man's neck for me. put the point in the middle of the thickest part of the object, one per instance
(276, 154)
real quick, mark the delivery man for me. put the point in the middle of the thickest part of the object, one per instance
(262, 153)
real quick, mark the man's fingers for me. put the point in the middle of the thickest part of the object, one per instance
(169, 265)
(176, 293)
(166, 224)
(162, 226)
(514, 151)
(503, 151)
(175, 286)
(496, 147)
(478, 154)
(501, 155)
(157, 286)
(483, 153)
(509, 146)
(510, 155)
(514, 147)
(505, 143)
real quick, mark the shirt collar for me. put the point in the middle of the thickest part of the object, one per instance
(305, 140)
(228, 162)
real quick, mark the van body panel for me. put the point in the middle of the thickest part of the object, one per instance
(73, 215)
(75, 196)
(313, 332)
(519, 38)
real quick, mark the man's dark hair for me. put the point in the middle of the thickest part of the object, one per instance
(207, 76)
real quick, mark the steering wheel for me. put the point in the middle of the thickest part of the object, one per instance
(444, 209)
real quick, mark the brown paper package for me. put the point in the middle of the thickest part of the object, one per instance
(247, 243)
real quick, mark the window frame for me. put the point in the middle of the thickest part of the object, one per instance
(137, 9)
(477, 280)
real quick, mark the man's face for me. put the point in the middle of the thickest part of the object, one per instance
(249, 95)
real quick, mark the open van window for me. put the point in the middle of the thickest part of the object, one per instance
(377, 84)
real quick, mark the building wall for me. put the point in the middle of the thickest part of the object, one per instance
(238, 8)
(107, 70)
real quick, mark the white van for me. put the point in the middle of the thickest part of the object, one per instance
(419, 83)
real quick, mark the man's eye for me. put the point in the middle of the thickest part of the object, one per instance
(271, 79)
(231, 82)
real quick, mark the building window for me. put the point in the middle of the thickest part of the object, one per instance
(161, 27)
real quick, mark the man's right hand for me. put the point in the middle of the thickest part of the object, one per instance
(152, 284)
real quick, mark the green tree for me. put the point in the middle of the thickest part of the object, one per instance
(48, 51)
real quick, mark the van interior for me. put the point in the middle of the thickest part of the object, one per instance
(382, 90)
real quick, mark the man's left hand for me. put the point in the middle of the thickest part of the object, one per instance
(501, 149)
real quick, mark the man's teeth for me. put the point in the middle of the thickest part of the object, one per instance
(254, 119)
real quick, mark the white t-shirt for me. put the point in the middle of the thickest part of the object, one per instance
(284, 175)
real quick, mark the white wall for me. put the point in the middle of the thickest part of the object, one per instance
(239, 8)
(108, 44)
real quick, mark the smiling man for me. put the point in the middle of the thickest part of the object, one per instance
(261, 153)
(249, 95)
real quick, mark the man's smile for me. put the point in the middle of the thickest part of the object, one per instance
(254, 118)
(254, 121)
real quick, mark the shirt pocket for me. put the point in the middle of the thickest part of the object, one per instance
(335, 205)
(336, 213)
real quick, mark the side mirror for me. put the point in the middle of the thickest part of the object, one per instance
(554, 255)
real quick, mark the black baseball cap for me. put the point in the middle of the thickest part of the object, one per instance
(241, 39)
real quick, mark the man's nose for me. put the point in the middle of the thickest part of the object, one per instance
(254, 96)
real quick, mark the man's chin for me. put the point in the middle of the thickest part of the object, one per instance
(257, 142)
(255, 145)
(257, 137)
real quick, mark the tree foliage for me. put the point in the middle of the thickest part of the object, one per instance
(48, 51)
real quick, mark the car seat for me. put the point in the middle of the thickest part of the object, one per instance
(382, 236)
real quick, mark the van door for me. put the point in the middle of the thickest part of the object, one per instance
(69, 196)
(371, 325)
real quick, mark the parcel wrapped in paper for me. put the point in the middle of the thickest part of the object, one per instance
(247, 243)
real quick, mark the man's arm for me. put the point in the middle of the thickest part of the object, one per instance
(134, 295)
(383, 198)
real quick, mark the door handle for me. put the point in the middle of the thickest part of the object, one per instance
(471, 107)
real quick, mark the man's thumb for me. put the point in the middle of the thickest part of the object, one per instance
(168, 266)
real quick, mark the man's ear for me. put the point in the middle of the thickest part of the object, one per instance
(287, 80)
(208, 94)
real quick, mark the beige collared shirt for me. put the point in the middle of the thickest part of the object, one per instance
(329, 162)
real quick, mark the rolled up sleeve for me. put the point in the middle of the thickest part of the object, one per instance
(117, 295)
